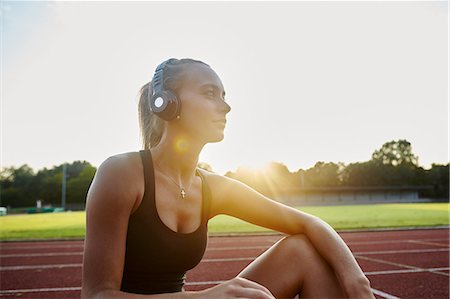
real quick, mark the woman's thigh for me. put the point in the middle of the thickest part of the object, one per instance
(292, 266)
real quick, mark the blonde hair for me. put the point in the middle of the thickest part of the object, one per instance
(150, 125)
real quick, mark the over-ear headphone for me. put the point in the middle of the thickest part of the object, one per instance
(163, 103)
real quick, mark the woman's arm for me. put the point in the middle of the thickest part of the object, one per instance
(113, 196)
(109, 203)
(234, 198)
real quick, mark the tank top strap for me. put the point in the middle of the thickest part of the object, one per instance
(206, 196)
(149, 181)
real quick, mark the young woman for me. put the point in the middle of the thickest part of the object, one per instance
(147, 211)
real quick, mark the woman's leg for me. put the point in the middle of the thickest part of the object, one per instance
(292, 266)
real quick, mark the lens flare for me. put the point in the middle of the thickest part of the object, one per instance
(181, 144)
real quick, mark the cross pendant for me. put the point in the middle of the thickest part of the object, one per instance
(183, 193)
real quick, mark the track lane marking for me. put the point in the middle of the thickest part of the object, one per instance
(52, 266)
(392, 241)
(66, 289)
(428, 243)
(419, 241)
(433, 270)
(3, 247)
(33, 267)
(40, 254)
(383, 294)
(398, 265)
(194, 283)
(232, 248)
(402, 251)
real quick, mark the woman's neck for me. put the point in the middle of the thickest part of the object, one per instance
(177, 155)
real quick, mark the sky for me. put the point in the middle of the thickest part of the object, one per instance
(306, 81)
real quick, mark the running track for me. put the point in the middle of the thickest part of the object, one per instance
(399, 264)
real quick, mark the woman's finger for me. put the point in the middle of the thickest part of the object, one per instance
(251, 284)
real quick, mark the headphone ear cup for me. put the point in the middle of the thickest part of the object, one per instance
(166, 105)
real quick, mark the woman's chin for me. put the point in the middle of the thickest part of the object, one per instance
(217, 138)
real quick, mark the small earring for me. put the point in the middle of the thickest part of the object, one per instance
(178, 117)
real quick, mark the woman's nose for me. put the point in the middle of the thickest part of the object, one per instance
(226, 107)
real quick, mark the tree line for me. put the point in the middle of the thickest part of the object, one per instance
(22, 187)
(394, 164)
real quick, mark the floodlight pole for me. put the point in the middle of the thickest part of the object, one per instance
(63, 188)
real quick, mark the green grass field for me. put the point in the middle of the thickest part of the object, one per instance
(72, 224)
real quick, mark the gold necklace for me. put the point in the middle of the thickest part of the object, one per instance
(182, 190)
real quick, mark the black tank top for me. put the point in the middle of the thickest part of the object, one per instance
(156, 257)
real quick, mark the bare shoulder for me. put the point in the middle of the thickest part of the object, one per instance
(221, 188)
(217, 180)
(128, 162)
(118, 178)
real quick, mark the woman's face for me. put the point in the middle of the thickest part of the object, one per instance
(203, 107)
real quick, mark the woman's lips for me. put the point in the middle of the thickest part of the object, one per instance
(221, 121)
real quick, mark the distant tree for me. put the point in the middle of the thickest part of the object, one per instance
(21, 187)
(50, 187)
(438, 177)
(322, 174)
(363, 174)
(278, 172)
(395, 153)
(77, 187)
(298, 178)
(277, 178)
(15, 186)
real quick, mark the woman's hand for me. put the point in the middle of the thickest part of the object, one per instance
(236, 288)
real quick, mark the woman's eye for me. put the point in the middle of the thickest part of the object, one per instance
(211, 93)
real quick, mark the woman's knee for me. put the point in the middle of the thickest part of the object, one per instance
(298, 247)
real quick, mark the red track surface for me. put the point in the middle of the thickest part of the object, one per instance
(403, 264)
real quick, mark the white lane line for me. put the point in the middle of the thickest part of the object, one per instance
(231, 248)
(393, 241)
(81, 252)
(424, 241)
(40, 290)
(383, 294)
(33, 267)
(60, 266)
(386, 262)
(194, 283)
(67, 289)
(347, 242)
(406, 271)
(356, 254)
(429, 243)
(402, 251)
(398, 265)
(40, 254)
(3, 247)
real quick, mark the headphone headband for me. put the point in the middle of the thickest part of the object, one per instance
(163, 103)
(158, 77)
